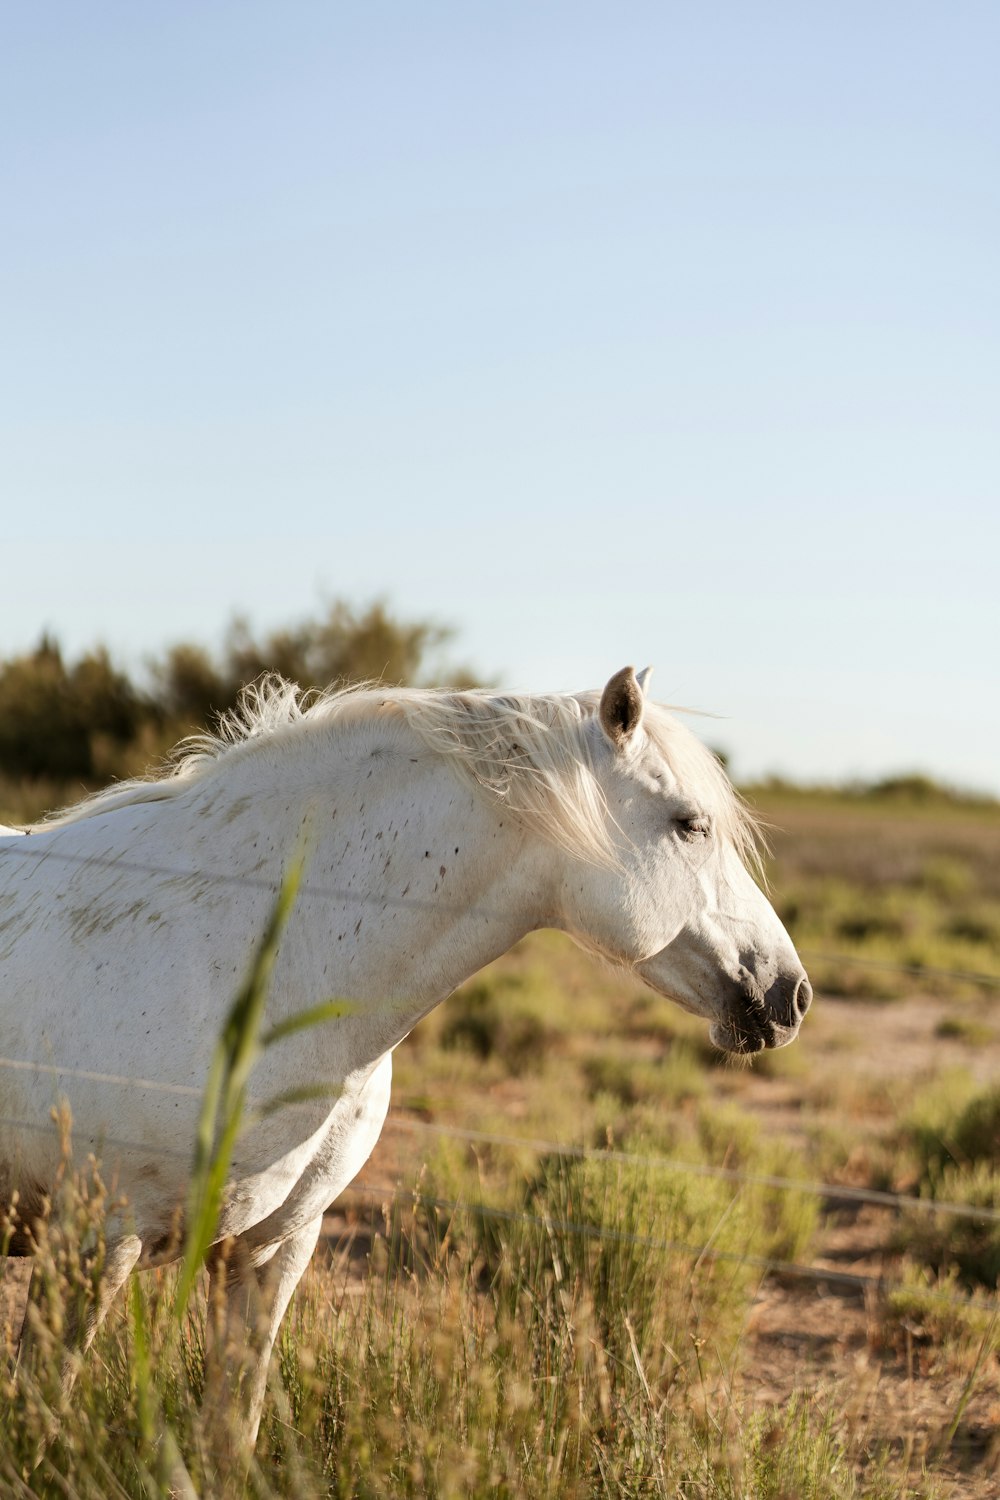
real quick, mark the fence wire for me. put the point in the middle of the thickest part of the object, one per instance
(834, 1191)
(383, 1195)
(828, 1191)
(27, 848)
(921, 971)
(23, 847)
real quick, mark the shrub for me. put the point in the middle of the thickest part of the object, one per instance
(934, 1311)
(966, 1134)
(483, 1018)
(956, 1243)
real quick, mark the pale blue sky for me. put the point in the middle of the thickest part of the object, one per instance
(605, 333)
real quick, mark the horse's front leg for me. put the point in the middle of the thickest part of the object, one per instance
(246, 1305)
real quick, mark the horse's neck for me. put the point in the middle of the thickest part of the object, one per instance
(413, 881)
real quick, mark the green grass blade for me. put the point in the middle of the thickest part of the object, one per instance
(314, 1015)
(236, 1051)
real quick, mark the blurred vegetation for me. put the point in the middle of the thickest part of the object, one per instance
(60, 721)
(909, 792)
(67, 727)
(884, 893)
(952, 1135)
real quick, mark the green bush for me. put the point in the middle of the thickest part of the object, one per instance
(484, 1018)
(957, 1243)
(951, 1125)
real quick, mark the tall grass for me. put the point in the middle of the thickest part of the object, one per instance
(582, 1345)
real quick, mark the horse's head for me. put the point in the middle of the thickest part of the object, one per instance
(679, 906)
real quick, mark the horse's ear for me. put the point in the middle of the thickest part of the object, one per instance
(621, 707)
(642, 678)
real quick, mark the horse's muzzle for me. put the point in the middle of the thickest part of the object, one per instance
(757, 1021)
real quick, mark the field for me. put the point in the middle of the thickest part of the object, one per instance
(589, 1257)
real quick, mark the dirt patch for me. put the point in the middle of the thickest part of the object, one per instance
(827, 1340)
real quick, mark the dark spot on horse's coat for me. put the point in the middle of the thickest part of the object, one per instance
(456, 848)
(357, 926)
(427, 854)
(405, 889)
(443, 872)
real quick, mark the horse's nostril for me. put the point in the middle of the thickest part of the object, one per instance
(802, 998)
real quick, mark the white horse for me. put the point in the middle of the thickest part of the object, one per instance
(442, 827)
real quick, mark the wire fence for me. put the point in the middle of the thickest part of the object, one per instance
(394, 1195)
(383, 1192)
(828, 1191)
(23, 847)
(384, 1195)
(882, 1286)
(917, 971)
(399, 1196)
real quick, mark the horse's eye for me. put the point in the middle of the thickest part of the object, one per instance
(695, 827)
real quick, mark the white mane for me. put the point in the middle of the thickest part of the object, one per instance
(530, 751)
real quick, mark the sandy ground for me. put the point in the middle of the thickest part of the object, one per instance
(824, 1339)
